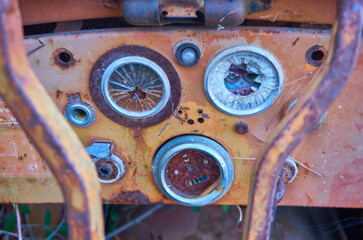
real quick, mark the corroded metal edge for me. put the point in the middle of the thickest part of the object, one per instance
(301, 120)
(46, 127)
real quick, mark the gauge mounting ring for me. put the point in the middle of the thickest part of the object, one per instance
(120, 89)
(243, 80)
(183, 164)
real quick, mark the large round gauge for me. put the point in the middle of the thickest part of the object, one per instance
(243, 80)
(193, 170)
(135, 87)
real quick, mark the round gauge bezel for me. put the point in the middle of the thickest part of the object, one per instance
(136, 60)
(235, 50)
(115, 54)
(167, 151)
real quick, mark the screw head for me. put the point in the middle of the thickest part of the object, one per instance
(242, 128)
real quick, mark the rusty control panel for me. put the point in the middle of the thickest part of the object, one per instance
(137, 89)
(181, 113)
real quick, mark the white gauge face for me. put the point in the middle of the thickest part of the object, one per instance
(243, 80)
(135, 87)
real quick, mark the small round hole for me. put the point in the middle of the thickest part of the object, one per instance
(105, 170)
(201, 120)
(317, 55)
(164, 13)
(191, 121)
(79, 115)
(180, 112)
(200, 111)
(65, 57)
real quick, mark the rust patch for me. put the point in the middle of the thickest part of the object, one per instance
(310, 200)
(306, 172)
(134, 173)
(22, 157)
(58, 95)
(192, 172)
(295, 41)
(130, 197)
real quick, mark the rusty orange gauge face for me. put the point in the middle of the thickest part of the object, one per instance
(193, 170)
(192, 173)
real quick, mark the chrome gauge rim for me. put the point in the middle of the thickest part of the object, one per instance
(131, 83)
(199, 143)
(268, 71)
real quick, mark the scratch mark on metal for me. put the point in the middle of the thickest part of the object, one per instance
(42, 44)
(176, 112)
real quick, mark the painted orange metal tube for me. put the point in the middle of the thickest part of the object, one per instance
(47, 129)
(299, 122)
(46, 11)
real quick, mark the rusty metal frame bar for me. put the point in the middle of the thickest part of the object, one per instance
(48, 130)
(299, 122)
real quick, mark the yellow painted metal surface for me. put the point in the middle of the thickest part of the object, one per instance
(333, 150)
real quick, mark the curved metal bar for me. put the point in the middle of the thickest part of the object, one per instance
(300, 121)
(47, 129)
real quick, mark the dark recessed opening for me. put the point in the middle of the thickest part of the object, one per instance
(105, 170)
(180, 112)
(200, 16)
(191, 121)
(79, 115)
(164, 13)
(201, 120)
(65, 57)
(200, 111)
(317, 55)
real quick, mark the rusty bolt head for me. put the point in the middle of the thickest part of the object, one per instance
(242, 128)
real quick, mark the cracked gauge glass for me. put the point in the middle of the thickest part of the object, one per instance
(135, 87)
(243, 80)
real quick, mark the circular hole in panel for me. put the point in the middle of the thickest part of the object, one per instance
(105, 170)
(191, 121)
(317, 55)
(79, 115)
(65, 57)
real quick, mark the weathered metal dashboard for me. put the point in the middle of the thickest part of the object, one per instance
(333, 151)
